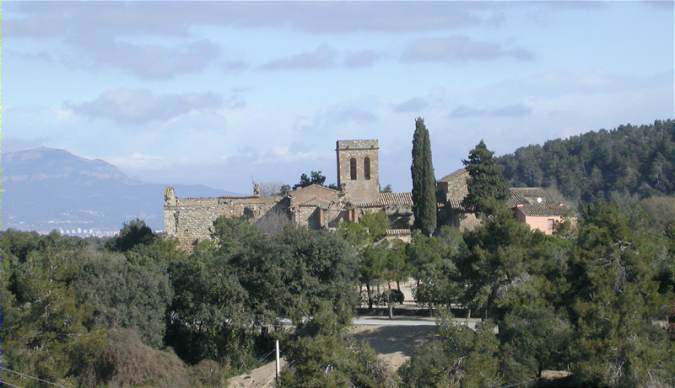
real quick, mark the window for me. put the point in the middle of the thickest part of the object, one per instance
(352, 169)
(366, 168)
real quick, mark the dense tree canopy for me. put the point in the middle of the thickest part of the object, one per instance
(629, 160)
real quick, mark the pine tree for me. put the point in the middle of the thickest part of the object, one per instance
(486, 181)
(615, 301)
(424, 182)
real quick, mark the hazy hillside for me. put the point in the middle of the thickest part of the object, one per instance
(46, 188)
(633, 160)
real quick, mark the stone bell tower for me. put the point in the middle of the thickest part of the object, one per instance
(358, 169)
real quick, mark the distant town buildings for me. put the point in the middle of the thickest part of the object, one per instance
(85, 232)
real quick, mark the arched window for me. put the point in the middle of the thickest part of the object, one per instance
(352, 168)
(366, 168)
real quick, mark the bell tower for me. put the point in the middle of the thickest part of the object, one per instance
(358, 169)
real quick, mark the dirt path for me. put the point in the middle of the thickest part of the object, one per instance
(394, 344)
(259, 377)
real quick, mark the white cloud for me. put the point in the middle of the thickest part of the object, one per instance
(460, 49)
(136, 106)
(139, 160)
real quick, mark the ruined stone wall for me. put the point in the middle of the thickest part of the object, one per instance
(362, 189)
(317, 218)
(191, 219)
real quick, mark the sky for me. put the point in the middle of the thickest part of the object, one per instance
(227, 94)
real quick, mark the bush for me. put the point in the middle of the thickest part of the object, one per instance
(126, 361)
(208, 373)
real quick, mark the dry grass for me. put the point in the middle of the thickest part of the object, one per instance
(131, 363)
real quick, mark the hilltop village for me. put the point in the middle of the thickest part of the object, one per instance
(358, 193)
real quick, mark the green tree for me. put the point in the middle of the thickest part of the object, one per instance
(208, 317)
(323, 354)
(534, 337)
(315, 177)
(367, 237)
(432, 264)
(397, 267)
(133, 233)
(423, 180)
(615, 299)
(459, 358)
(322, 267)
(485, 180)
(124, 294)
(371, 269)
(498, 258)
(377, 224)
(45, 326)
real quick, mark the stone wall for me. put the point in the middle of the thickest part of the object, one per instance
(191, 219)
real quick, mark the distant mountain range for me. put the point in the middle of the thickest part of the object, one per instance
(51, 189)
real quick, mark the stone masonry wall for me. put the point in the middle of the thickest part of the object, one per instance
(191, 219)
(361, 189)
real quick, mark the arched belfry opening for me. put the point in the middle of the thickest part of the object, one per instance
(352, 169)
(366, 168)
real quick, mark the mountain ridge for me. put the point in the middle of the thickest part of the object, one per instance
(48, 189)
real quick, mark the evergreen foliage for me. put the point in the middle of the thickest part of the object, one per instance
(315, 177)
(614, 300)
(133, 233)
(628, 160)
(459, 358)
(423, 180)
(485, 181)
(323, 354)
(585, 300)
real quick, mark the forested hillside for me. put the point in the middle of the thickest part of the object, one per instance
(634, 160)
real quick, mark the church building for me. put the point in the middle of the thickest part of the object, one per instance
(317, 207)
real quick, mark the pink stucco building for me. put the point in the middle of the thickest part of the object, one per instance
(537, 207)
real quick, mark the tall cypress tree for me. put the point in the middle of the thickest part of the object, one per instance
(424, 182)
(485, 181)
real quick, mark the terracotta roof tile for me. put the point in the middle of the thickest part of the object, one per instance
(537, 201)
(390, 199)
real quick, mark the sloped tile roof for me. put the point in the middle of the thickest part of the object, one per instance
(545, 209)
(455, 175)
(537, 201)
(532, 201)
(389, 199)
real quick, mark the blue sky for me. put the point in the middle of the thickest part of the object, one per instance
(229, 93)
